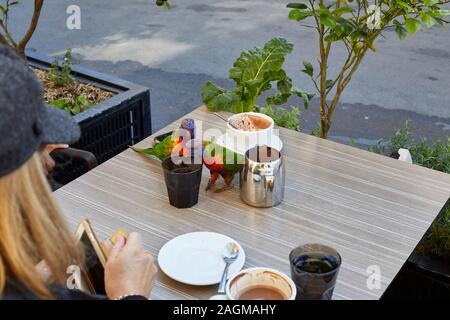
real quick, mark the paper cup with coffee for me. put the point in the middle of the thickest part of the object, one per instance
(260, 284)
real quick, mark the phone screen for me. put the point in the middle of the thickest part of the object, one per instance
(94, 267)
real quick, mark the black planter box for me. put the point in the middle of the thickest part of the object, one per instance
(111, 126)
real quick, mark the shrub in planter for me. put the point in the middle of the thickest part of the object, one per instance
(110, 126)
(62, 90)
(112, 113)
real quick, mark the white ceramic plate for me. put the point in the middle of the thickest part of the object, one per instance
(196, 258)
(228, 143)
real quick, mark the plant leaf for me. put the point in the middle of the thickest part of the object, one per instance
(329, 83)
(309, 70)
(427, 19)
(412, 25)
(327, 20)
(306, 96)
(343, 10)
(217, 99)
(401, 32)
(299, 15)
(442, 12)
(404, 5)
(296, 5)
(429, 3)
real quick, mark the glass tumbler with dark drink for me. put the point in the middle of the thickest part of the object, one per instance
(183, 182)
(314, 269)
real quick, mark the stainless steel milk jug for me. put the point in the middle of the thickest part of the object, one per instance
(262, 179)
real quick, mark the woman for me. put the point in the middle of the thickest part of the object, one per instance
(32, 230)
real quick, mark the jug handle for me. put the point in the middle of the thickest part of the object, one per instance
(268, 183)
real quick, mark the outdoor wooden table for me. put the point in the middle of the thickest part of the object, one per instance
(371, 208)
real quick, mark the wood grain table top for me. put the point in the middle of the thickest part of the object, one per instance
(372, 209)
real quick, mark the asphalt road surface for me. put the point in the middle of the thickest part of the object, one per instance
(174, 52)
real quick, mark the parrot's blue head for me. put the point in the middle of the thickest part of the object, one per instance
(189, 124)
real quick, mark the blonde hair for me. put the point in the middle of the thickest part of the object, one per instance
(32, 229)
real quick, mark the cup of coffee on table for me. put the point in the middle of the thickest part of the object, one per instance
(245, 130)
(314, 269)
(260, 284)
(183, 182)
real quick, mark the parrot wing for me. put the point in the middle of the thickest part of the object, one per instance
(160, 150)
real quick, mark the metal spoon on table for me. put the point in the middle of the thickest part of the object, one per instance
(226, 120)
(229, 254)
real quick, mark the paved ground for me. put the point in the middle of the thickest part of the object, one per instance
(175, 52)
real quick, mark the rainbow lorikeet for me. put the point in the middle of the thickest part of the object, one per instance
(221, 162)
(163, 149)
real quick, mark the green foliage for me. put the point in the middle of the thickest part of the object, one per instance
(5, 35)
(400, 139)
(164, 3)
(437, 240)
(316, 132)
(5, 6)
(435, 156)
(356, 24)
(61, 69)
(284, 118)
(75, 107)
(254, 72)
(344, 21)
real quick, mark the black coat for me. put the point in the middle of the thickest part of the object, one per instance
(18, 291)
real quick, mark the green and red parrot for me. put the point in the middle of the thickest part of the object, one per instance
(221, 162)
(164, 148)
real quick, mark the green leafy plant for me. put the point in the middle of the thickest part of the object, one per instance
(78, 105)
(434, 156)
(284, 118)
(254, 72)
(61, 69)
(437, 240)
(355, 25)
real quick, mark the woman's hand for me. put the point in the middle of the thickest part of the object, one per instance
(43, 270)
(129, 269)
(47, 160)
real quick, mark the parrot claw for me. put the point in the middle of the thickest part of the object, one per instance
(223, 189)
(210, 184)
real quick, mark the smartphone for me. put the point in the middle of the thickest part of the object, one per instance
(95, 258)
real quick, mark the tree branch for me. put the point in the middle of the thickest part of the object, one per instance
(3, 40)
(7, 34)
(33, 24)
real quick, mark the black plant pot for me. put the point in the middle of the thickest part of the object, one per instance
(109, 127)
(182, 182)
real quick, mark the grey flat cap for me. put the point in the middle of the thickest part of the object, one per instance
(26, 122)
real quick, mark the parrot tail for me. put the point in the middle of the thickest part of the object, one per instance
(149, 151)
